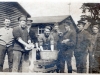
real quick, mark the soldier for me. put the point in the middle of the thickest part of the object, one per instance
(55, 33)
(21, 44)
(94, 50)
(81, 51)
(46, 40)
(34, 42)
(6, 44)
(67, 47)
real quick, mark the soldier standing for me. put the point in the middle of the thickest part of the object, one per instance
(67, 47)
(94, 50)
(81, 51)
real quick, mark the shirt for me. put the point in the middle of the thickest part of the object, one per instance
(56, 38)
(6, 36)
(46, 41)
(20, 32)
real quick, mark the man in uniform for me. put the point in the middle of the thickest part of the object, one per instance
(21, 45)
(34, 42)
(46, 40)
(67, 47)
(94, 50)
(6, 44)
(81, 51)
(55, 33)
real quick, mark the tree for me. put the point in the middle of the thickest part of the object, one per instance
(93, 9)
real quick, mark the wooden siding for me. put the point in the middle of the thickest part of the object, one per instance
(8, 9)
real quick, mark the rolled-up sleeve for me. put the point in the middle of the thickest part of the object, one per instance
(16, 33)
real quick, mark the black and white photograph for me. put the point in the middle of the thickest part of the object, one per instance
(49, 37)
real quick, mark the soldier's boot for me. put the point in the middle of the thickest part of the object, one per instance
(90, 69)
(70, 69)
(78, 70)
(84, 70)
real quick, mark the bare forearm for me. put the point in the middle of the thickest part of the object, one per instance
(52, 47)
(21, 41)
(41, 48)
(36, 45)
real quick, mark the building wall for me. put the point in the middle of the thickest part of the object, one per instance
(72, 24)
(7, 9)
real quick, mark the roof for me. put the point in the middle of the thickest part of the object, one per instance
(49, 19)
(16, 4)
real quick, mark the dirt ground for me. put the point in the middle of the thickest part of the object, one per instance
(73, 65)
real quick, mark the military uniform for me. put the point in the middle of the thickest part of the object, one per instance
(66, 50)
(82, 43)
(95, 62)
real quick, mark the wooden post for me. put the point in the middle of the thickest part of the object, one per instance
(32, 58)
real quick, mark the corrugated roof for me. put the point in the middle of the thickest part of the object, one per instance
(49, 19)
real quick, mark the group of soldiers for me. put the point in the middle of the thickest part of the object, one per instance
(18, 43)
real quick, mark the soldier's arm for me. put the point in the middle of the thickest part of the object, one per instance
(52, 43)
(40, 42)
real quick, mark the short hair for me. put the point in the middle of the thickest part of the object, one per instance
(46, 29)
(7, 18)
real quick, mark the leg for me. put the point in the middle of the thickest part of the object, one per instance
(10, 57)
(69, 65)
(16, 60)
(90, 62)
(78, 63)
(62, 64)
(84, 63)
(2, 56)
(25, 61)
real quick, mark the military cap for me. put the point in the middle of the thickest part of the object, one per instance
(67, 23)
(80, 22)
(29, 19)
(22, 18)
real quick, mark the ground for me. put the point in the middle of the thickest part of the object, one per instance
(73, 65)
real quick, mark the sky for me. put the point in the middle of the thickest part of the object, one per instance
(53, 8)
(38, 8)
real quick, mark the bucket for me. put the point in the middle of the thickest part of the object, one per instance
(49, 55)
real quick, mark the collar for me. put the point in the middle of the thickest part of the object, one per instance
(7, 28)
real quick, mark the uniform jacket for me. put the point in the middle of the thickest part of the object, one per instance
(67, 48)
(97, 48)
(82, 41)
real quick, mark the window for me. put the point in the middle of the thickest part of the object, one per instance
(41, 29)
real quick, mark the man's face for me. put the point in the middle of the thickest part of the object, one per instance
(95, 30)
(47, 32)
(29, 23)
(67, 27)
(7, 22)
(80, 27)
(23, 23)
(56, 28)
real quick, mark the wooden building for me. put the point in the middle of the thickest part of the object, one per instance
(12, 10)
(39, 23)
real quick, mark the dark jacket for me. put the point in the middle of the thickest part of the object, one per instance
(82, 41)
(67, 48)
(19, 32)
(97, 48)
(33, 35)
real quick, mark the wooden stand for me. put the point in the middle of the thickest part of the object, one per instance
(45, 66)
